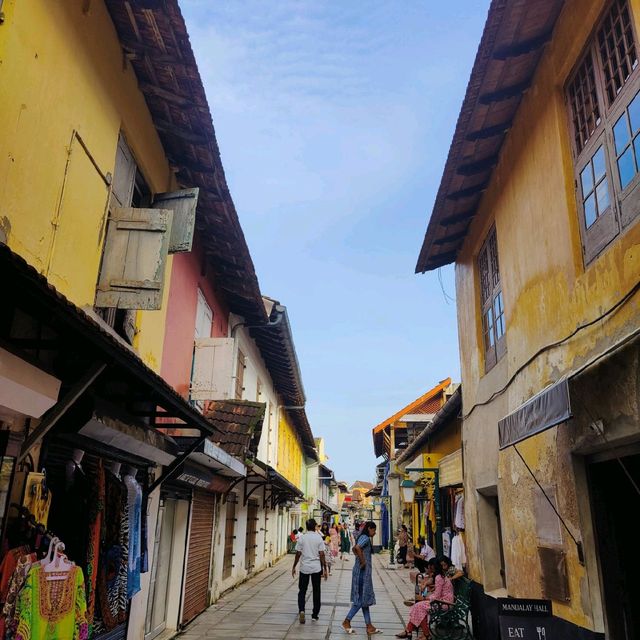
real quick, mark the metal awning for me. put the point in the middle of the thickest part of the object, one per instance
(546, 409)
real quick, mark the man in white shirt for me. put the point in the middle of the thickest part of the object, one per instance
(310, 554)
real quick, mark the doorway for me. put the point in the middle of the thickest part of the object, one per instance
(156, 620)
(614, 500)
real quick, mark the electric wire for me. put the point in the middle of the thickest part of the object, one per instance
(553, 506)
(552, 345)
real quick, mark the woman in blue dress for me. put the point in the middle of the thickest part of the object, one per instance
(362, 595)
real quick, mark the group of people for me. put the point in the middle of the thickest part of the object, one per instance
(315, 545)
(312, 554)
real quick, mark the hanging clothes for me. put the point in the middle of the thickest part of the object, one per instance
(134, 505)
(458, 553)
(459, 511)
(112, 569)
(9, 623)
(37, 497)
(96, 514)
(432, 513)
(446, 543)
(52, 609)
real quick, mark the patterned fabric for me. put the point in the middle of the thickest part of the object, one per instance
(52, 609)
(362, 594)
(112, 571)
(335, 541)
(443, 591)
(7, 568)
(36, 498)
(96, 514)
(16, 583)
(134, 499)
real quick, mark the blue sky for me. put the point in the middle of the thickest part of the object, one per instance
(334, 120)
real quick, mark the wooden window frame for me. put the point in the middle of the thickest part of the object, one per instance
(624, 204)
(491, 297)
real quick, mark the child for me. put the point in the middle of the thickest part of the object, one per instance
(328, 556)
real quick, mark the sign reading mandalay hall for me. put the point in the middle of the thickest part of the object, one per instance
(524, 619)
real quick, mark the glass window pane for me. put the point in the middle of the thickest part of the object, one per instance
(602, 193)
(626, 167)
(590, 214)
(634, 113)
(621, 133)
(499, 327)
(586, 179)
(599, 168)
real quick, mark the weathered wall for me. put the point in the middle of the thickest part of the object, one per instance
(187, 276)
(63, 81)
(547, 292)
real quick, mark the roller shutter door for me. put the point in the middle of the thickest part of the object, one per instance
(196, 591)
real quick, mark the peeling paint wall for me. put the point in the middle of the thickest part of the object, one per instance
(66, 93)
(548, 292)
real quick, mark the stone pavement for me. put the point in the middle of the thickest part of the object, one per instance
(265, 607)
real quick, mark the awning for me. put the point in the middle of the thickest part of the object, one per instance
(546, 409)
(210, 455)
(325, 507)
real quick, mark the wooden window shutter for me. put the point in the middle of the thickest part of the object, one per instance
(183, 204)
(134, 259)
(212, 369)
(124, 175)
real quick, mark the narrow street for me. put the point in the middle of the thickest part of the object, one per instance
(265, 606)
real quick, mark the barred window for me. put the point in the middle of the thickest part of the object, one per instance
(584, 102)
(493, 319)
(617, 48)
(604, 108)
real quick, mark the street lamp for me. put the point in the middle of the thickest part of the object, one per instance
(408, 488)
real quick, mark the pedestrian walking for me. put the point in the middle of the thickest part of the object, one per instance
(335, 540)
(403, 543)
(310, 552)
(345, 542)
(362, 594)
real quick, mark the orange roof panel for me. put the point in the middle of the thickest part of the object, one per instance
(425, 399)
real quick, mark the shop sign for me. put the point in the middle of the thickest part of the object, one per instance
(525, 619)
(195, 477)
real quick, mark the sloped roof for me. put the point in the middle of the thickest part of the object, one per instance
(240, 422)
(511, 47)
(413, 407)
(154, 39)
(427, 401)
(448, 412)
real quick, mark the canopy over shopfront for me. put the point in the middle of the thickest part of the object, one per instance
(97, 369)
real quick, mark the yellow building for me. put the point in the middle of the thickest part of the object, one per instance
(538, 208)
(290, 461)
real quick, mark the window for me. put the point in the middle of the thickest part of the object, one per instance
(604, 105)
(493, 320)
(240, 366)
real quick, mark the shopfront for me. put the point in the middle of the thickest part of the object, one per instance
(82, 465)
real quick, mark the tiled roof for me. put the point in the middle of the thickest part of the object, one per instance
(240, 422)
(511, 47)
(432, 394)
(155, 41)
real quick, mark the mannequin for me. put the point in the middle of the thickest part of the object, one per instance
(134, 514)
(114, 467)
(73, 466)
(130, 471)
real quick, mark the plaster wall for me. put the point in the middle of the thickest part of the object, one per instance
(66, 95)
(548, 291)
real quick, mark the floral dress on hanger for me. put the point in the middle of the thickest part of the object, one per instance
(52, 609)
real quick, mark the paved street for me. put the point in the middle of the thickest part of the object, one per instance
(264, 608)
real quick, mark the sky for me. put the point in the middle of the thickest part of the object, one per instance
(334, 120)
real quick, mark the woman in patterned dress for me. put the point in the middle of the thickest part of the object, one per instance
(419, 613)
(362, 595)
